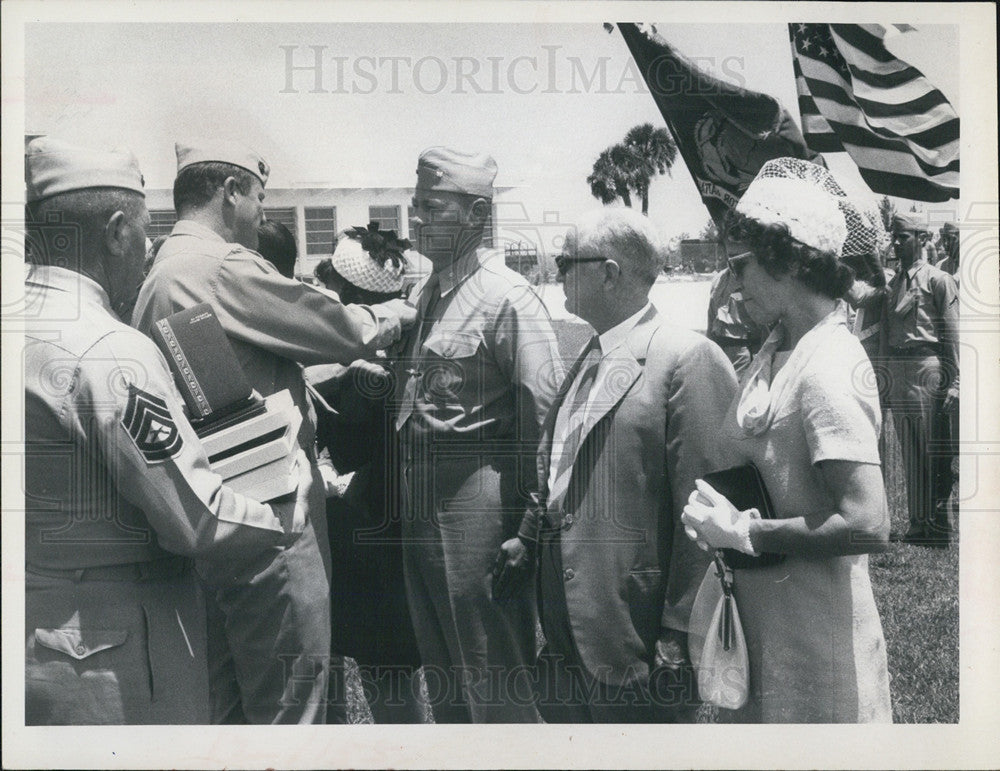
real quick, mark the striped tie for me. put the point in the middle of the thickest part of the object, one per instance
(575, 420)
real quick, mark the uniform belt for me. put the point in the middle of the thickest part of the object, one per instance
(132, 572)
(921, 349)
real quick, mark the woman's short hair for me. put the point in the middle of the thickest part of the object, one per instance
(276, 244)
(781, 255)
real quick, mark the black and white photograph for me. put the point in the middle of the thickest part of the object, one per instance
(437, 378)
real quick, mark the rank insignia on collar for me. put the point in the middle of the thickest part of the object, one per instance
(150, 425)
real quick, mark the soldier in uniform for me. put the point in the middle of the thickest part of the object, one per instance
(949, 245)
(118, 490)
(922, 339)
(269, 625)
(479, 376)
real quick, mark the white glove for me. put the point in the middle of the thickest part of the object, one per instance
(714, 523)
(334, 484)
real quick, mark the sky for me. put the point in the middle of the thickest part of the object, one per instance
(543, 99)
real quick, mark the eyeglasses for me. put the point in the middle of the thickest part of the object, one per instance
(738, 262)
(563, 262)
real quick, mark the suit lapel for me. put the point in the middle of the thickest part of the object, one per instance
(626, 364)
(549, 426)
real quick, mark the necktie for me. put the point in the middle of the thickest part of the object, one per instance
(412, 363)
(575, 420)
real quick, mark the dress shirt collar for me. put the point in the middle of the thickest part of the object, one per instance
(192, 228)
(81, 288)
(452, 275)
(618, 334)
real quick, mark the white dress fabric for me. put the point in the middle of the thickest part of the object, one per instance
(817, 652)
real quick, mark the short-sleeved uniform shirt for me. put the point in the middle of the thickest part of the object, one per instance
(114, 474)
(274, 323)
(918, 299)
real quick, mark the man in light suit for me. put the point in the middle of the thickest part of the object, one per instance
(634, 424)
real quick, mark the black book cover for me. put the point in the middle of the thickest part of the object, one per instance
(203, 363)
(745, 489)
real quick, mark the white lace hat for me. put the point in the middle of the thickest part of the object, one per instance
(371, 259)
(802, 196)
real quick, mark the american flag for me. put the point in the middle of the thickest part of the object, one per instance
(855, 96)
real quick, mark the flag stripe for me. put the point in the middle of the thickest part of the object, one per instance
(864, 41)
(898, 160)
(852, 129)
(873, 109)
(884, 79)
(942, 133)
(905, 186)
(898, 128)
(814, 68)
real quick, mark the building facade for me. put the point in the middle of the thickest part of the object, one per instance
(316, 214)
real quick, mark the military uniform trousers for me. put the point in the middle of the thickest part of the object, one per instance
(923, 430)
(269, 630)
(476, 654)
(115, 645)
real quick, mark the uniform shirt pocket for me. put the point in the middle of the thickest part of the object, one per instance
(78, 644)
(450, 364)
(453, 345)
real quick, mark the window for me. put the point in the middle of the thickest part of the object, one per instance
(161, 222)
(387, 217)
(286, 216)
(321, 228)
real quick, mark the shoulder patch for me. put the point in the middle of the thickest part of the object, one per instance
(150, 425)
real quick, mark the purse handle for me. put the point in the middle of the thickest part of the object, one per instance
(725, 574)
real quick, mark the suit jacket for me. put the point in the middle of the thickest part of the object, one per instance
(629, 568)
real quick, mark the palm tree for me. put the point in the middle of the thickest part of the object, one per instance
(628, 167)
(610, 176)
(888, 211)
(654, 153)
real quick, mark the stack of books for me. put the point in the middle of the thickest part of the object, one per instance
(250, 442)
(256, 456)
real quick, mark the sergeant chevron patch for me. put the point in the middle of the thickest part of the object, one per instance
(150, 425)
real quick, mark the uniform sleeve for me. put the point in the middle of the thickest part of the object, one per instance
(945, 292)
(295, 320)
(840, 408)
(701, 389)
(527, 354)
(157, 462)
(864, 295)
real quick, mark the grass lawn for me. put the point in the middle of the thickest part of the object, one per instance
(916, 591)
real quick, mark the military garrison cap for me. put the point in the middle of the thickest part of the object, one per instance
(441, 168)
(52, 166)
(222, 152)
(908, 222)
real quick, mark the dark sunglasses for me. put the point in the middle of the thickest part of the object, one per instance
(563, 262)
(738, 262)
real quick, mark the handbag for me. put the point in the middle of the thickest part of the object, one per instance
(716, 643)
(744, 487)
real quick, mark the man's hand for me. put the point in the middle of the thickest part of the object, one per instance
(406, 313)
(511, 568)
(293, 508)
(950, 402)
(672, 681)
(671, 649)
